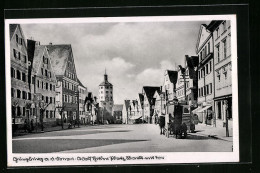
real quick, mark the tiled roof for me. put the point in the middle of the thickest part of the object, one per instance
(81, 84)
(37, 58)
(12, 28)
(105, 83)
(117, 107)
(149, 91)
(59, 55)
(173, 76)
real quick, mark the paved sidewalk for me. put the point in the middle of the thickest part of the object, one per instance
(214, 132)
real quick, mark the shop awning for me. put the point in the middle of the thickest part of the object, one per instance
(196, 110)
(203, 109)
(135, 117)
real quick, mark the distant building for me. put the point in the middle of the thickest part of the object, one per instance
(83, 92)
(44, 80)
(117, 114)
(204, 50)
(126, 111)
(67, 84)
(21, 91)
(221, 31)
(160, 105)
(191, 81)
(106, 101)
(90, 111)
(149, 102)
(169, 84)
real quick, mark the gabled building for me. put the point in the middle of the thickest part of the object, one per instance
(149, 101)
(169, 84)
(206, 92)
(159, 106)
(83, 93)
(126, 111)
(43, 80)
(62, 61)
(191, 81)
(117, 114)
(21, 92)
(221, 31)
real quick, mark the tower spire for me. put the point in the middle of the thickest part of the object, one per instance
(105, 75)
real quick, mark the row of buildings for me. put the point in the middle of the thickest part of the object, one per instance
(44, 82)
(204, 82)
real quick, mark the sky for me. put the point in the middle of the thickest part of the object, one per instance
(134, 54)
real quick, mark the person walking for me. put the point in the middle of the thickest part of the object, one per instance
(161, 124)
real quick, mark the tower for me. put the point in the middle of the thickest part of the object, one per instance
(106, 95)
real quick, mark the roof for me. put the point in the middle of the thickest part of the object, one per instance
(105, 83)
(192, 61)
(37, 58)
(59, 55)
(149, 91)
(117, 107)
(81, 84)
(141, 98)
(172, 76)
(213, 25)
(12, 28)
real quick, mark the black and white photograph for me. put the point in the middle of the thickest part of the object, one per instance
(121, 90)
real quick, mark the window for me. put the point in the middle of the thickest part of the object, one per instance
(23, 77)
(47, 99)
(16, 38)
(218, 58)
(19, 55)
(46, 73)
(42, 70)
(202, 91)
(210, 88)
(18, 74)
(12, 92)
(24, 59)
(29, 96)
(42, 85)
(101, 87)
(208, 47)
(225, 48)
(12, 72)
(24, 95)
(207, 89)
(224, 26)
(199, 92)
(51, 114)
(210, 67)
(47, 86)
(38, 84)
(14, 53)
(43, 59)
(217, 32)
(50, 74)
(23, 111)
(218, 76)
(207, 69)
(47, 114)
(111, 92)
(42, 98)
(63, 98)
(51, 87)
(199, 74)
(18, 94)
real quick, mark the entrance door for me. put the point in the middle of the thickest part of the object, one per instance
(219, 110)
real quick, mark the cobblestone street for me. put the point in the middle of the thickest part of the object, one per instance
(121, 139)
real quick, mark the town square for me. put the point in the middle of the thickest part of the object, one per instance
(121, 87)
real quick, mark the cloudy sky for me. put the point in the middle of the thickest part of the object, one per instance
(134, 54)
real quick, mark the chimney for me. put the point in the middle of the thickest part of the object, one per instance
(50, 43)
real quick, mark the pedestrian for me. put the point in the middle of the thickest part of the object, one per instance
(32, 127)
(162, 124)
(25, 125)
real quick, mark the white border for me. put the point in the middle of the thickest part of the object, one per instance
(169, 157)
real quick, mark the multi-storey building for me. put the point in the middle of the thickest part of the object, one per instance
(106, 98)
(44, 80)
(223, 69)
(190, 84)
(62, 61)
(117, 114)
(21, 92)
(206, 93)
(82, 97)
(159, 106)
(132, 111)
(149, 101)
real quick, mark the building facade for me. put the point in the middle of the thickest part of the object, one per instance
(43, 80)
(21, 89)
(117, 114)
(221, 31)
(206, 92)
(67, 84)
(149, 101)
(82, 90)
(106, 101)
(159, 106)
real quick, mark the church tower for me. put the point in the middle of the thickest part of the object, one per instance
(106, 95)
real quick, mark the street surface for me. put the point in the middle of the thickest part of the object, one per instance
(118, 138)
